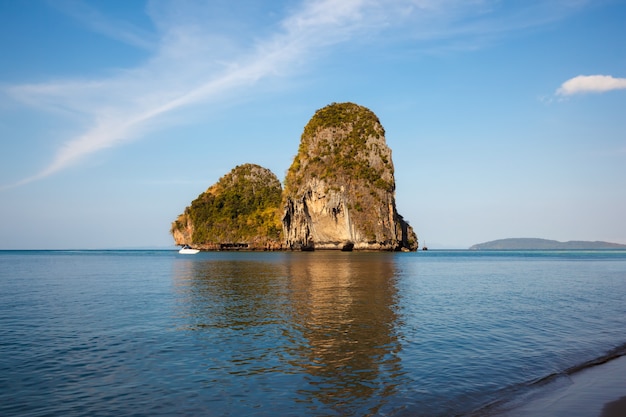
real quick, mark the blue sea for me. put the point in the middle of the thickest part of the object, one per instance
(436, 333)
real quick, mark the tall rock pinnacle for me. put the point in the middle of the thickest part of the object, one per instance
(340, 189)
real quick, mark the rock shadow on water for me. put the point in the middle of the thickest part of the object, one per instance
(345, 312)
(319, 327)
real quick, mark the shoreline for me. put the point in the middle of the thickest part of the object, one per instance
(594, 389)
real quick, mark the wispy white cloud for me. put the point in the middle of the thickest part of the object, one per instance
(113, 28)
(591, 84)
(190, 66)
(193, 64)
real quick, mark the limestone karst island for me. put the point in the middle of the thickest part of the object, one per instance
(339, 193)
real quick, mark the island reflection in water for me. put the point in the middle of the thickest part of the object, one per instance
(319, 328)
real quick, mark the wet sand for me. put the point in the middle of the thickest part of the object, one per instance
(598, 391)
(615, 409)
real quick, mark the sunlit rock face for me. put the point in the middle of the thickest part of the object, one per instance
(340, 189)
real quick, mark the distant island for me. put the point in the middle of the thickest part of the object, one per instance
(543, 244)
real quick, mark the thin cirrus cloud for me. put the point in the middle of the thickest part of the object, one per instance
(96, 21)
(190, 65)
(583, 84)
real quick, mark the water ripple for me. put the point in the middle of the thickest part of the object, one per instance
(439, 334)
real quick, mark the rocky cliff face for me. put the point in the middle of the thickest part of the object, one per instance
(340, 189)
(240, 211)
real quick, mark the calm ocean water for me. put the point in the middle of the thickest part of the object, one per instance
(437, 333)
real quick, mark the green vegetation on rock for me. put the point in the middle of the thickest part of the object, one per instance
(339, 194)
(364, 121)
(340, 186)
(242, 207)
(345, 153)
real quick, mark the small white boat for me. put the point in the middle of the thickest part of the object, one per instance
(188, 250)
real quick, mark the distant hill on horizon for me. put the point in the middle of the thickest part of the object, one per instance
(545, 244)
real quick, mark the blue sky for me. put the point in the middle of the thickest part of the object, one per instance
(505, 118)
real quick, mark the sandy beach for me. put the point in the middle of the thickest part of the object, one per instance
(597, 391)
